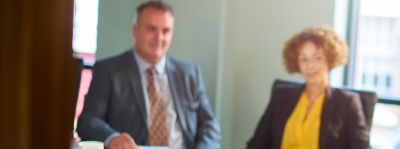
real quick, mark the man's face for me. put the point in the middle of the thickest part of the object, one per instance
(153, 34)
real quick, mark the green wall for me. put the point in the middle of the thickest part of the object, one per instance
(114, 26)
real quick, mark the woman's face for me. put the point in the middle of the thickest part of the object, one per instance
(313, 63)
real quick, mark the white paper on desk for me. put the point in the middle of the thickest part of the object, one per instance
(153, 147)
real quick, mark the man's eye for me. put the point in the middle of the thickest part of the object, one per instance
(165, 31)
(151, 29)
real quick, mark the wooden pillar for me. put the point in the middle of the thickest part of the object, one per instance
(36, 74)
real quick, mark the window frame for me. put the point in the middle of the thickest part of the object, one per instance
(349, 69)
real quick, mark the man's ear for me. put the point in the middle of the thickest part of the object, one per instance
(134, 30)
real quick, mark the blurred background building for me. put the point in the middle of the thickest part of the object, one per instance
(377, 66)
(378, 47)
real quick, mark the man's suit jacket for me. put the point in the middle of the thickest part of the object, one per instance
(115, 103)
(343, 124)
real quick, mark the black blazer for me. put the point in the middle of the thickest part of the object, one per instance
(343, 124)
(115, 103)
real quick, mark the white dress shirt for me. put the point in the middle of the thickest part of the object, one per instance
(175, 133)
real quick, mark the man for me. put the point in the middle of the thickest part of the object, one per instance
(143, 97)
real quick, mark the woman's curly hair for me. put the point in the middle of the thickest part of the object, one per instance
(335, 48)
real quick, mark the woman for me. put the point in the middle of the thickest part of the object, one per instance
(312, 115)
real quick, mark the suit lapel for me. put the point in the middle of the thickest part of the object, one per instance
(291, 102)
(327, 112)
(135, 80)
(286, 108)
(175, 80)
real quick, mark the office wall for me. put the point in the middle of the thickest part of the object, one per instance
(114, 26)
(196, 33)
(254, 35)
(196, 37)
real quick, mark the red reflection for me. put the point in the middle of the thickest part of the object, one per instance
(85, 82)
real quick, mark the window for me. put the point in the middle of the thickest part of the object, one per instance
(385, 132)
(374, 64)
(85, 44)
(363, 79)
(377, 48)
(85, 30)
(388, 81)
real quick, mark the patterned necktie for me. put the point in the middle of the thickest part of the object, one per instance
(158, 128)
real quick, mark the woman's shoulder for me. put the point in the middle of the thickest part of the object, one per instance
(344, 94)
(346, 97)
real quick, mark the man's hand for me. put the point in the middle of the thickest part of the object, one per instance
(123, 141)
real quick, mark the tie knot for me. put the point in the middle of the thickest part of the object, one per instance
(152, 71)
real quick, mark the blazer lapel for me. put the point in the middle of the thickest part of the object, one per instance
(175, 79)
(326, 115)
(286, 108)
(136, 83)
(291, 102)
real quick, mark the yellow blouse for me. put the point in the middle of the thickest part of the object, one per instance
(301, 132)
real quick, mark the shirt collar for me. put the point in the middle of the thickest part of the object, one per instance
(144, 66)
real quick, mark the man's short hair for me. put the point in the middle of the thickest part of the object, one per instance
(157, 4)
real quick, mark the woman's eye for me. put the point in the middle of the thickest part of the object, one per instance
(303, 59)
(317, 58)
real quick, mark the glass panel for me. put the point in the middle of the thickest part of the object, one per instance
(377, 60)
(377, 66)
(85, 26)
(88, 59)
(385, 130)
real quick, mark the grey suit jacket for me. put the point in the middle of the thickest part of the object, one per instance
(115, 103)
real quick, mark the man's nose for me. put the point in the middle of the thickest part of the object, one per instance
(159, 36)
